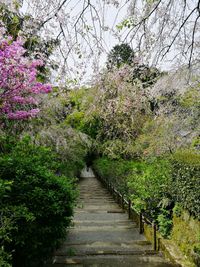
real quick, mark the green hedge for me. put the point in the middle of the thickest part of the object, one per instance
(115, 171)
(185, 186)
(145, 182)
(36, 205)
(156, 186)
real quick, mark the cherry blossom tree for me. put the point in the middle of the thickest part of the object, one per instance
(164, 30)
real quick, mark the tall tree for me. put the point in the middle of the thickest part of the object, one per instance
(119, 55)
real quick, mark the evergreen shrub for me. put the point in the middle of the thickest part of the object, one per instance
(37, 204)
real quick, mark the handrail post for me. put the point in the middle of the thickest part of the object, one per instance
(141, 223)
(154, 236)
(122, 201)
(129, 209)
(118, 198)
(158, 248)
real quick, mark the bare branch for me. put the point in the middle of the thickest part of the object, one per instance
(193, 40)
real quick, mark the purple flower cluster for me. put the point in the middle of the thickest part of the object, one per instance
(18, 81)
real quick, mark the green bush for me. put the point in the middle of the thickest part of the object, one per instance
(115, 171)
(165, 223)
(177, 210)
(75, 119)
(156, 186)
(5, 258)
(38, 204)
(185, 184)
(88, 124)
(6, 225)
(197, 249)
(117, 149)
(91, 125)
(147, 183)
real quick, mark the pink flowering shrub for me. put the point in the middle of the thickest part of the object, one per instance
(18, 81)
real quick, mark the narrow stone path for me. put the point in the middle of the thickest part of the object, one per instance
(102, 235)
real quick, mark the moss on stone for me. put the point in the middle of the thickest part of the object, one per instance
(186, 233)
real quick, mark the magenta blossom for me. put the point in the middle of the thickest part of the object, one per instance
(18, 81)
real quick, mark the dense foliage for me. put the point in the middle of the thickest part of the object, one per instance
(37, 204)
(185, 181)
(156, 185)
(119, 55)
(147, 183)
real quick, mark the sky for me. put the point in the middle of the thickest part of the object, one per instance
(90, 61)
(87, 39)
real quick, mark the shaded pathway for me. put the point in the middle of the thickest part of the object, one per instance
(103, 236)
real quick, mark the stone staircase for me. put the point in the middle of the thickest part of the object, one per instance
(102, 235)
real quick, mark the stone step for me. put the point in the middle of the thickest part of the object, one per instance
(97, 199)
(118, 235)
(82, 228)
(140, 243)
(111, 207)
(88, 211)
(96, 248)
(100, 211)
(95, 196)
(83, 203)
(102, 236)
(104, 223)
(111, 260)
(76, 251)
(99, 216)
(102, 227)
